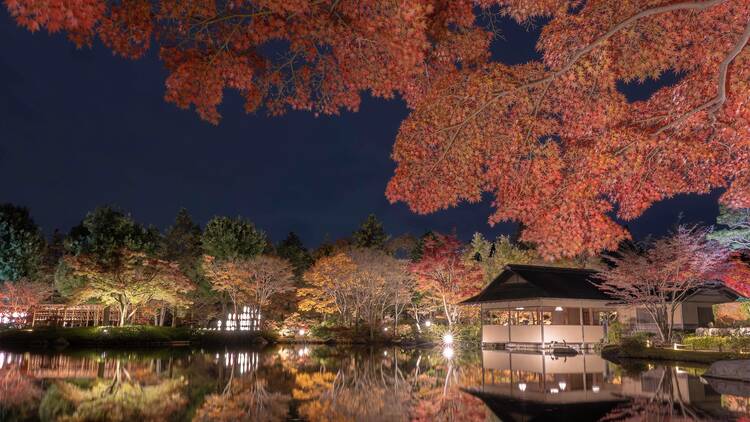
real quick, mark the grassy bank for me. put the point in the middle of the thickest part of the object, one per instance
(130, 336)
(615, 352)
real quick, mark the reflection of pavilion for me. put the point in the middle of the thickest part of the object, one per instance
(527, 386)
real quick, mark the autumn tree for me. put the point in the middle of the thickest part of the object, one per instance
(329, 281)
(663, 273)
(554, 140)
(133, 282)
(24, 293)
(269, 277)
(370, 234)
(21, 243)
(227, 238)
(444, 272)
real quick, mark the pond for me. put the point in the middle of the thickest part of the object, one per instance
(324, 383)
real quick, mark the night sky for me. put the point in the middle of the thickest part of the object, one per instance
(81, 128)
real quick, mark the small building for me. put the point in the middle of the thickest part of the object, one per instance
(529, 306)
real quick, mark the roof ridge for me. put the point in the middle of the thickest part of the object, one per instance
(547, 267)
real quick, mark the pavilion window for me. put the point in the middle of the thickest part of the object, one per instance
(524, 317)
(586, 316)
(496, 317)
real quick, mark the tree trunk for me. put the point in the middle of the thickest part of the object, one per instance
(123, 314)
(447, 313)
(174, 317)
(162, 316)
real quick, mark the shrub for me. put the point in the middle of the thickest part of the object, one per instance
(734, 343)
(614, 333)
(635, 342)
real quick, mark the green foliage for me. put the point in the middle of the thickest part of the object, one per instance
(182, 241)
(66, 282)
(54, 405)
(231, 238)
(106, 231)
(295, 252)
(494, 256)
(21, 243)
(418, 250)
(370, 234)
(614, 333)
(729, 343)
(745, 309)
(735, 228)
(636, 341)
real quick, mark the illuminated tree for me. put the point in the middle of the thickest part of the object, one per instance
(21, 243)
(269, 277)
(244, 400)
(444, 272)
(329, 281)
(24, 293)
(135, 281)
(664, 273)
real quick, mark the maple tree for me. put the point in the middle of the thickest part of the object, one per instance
(664, 273)
(135, 281)
(444, 272)
(24, 293)
(555, 140)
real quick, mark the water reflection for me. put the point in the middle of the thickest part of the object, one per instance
(320, 383)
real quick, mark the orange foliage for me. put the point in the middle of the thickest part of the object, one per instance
(554, 141)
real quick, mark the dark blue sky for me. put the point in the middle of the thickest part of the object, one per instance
(81, 128)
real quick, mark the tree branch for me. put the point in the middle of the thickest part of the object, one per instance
(714, 104)
(689, 5)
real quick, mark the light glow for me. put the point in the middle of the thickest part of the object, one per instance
(562, 385)
(427, 323)
(448, 338)
(554, 390)
(522, 386)
(448, 352)
(558, 308)
(595, 388)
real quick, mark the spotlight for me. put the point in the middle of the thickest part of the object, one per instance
(448, 338)
(448, 352)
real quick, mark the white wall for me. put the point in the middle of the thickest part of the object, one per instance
(494, 333)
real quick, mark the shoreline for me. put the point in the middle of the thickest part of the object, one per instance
(615, 353)
(151, 337)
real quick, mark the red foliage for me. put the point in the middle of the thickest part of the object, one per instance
(554, 141)
(737, 277)
(443, 272)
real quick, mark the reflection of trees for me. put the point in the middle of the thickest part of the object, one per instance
(18, 394)
(668, 402)
(364, 388)
(122, 398)
(244, 399)
(439, 397)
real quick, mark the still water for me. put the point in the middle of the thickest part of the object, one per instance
(322, 383)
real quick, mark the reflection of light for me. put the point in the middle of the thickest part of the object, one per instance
(448, 352)
(562, 385)
(448, 338)
(385, 353)
(554, 390)
(595, 388)
(520, 308)
(522, 386)
(427, 323)
(302, 331)
(2, 359)
(675, 346)
(679, 371)
(385, 329)
(558, 308)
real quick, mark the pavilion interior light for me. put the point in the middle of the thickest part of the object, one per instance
(562, 385)
(554, 390)
(520, 308)
(595, 388)
(558, 308)
(247, 320)
(522, 386)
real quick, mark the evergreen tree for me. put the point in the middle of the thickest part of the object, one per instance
(734, 231)
(231, 238)
(370, 234)
(182, 241)
(106, 232)
(293, 250)
(21, 243)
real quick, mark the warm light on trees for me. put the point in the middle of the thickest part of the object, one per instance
(444, 272)
(24, 293)
(134, 282)
(664, 274)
